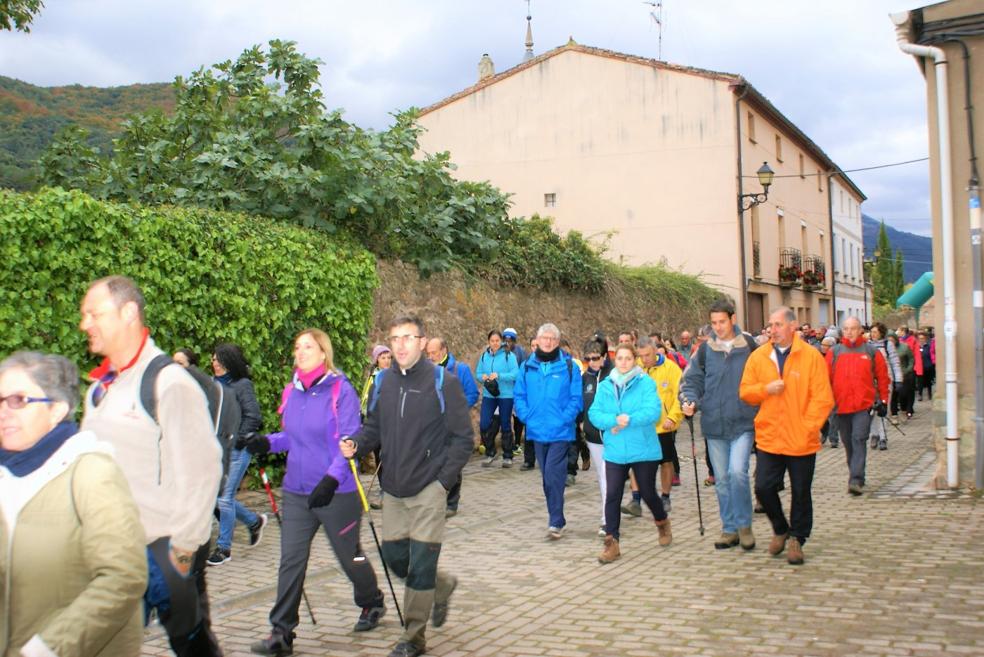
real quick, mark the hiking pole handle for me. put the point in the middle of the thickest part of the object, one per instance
(280, 523)
(358, 486)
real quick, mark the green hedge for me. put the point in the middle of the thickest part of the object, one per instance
(207, 276)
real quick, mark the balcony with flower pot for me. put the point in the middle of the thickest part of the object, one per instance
(790, 267)
(814, 273)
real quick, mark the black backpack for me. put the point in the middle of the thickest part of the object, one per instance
(223, 406)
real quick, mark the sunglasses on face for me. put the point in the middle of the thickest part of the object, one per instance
(592, 359)
(16, 402)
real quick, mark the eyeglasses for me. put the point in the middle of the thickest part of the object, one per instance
(592, 359)
(16, 402)
(402, 339)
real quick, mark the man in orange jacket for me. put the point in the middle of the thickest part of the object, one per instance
(788, 380)
(859, 377)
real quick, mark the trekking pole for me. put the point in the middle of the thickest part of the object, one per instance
(375, 537)
(280, 523)
(897, 427)
(693, 450)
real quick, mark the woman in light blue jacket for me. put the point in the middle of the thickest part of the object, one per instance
(625, 409)
(496, 369)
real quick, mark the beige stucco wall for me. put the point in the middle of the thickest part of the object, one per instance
(645, 153)
(960, 154)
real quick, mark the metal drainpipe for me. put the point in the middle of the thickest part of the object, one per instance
(743, 287)
(830, 225)
(901, 21)
(975, 246)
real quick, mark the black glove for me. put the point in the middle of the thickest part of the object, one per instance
(323, 492)
(881, 410)
(254, 443)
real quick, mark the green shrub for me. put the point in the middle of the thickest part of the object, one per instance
(207, 276)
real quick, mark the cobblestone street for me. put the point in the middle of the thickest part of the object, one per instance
(895, 572)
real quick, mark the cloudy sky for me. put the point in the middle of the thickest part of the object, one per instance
(832, 67)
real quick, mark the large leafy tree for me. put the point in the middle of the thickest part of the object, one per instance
(18, 14)
(252, 135)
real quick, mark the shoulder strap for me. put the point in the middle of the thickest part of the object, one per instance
(148, 384)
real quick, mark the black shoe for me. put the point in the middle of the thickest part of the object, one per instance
(834, 444)
(369, 618)
(406, 649)
(526, 466)
(571, 479)
(256, 531)
(275, 644)
(440, 612)
(219, 556)
(450, 513)
(882, 445)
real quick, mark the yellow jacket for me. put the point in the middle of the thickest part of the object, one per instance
(788, 423)
(667, 377)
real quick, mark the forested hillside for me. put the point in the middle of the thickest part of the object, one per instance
(30, 116)
(917, 250)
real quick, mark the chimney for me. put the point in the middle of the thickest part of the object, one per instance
(486, 68)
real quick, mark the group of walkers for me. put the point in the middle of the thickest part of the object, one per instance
(161, 449)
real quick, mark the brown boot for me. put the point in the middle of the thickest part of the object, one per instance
(778, 544)
(665, 535)
(794, 555)
(746, 538)
(611, 551)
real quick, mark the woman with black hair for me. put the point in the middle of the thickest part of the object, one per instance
(496, 369)
(232, 370)
(185, 358)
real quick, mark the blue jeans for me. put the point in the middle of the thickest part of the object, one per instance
(505, 406)
(229, 509)
(553, 465)
(730, 460)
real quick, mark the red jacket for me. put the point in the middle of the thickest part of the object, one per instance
(854, 388)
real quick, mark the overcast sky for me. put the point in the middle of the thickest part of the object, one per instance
(832, 67)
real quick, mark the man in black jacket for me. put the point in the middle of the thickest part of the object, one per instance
(422, 426)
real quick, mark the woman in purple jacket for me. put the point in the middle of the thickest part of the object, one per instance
(319, 407)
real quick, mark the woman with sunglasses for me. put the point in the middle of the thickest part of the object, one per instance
(231, 370)
(73, 566)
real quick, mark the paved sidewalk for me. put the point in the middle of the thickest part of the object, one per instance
(895, 572)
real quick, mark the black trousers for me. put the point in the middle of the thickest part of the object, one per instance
(615, 476)
(578, 448)
(769, 472)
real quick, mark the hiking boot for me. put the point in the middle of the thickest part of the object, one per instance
(256, 530)
(874, 442)
(487, 463)
(526, 466)
(406, 649)
(710, 481)
(611, 552)
(834, 444)
(507, 463)
(726, 541)
(585, 464)
(665, 499)
(219, 556)
(778, 544)
(882, 445)
(440, 612)
(794, 555)
(570, 481)
(633, 508)
(450, 513)
(369, 618)
(746, 538)
(275, 644)
(676, 480)
(665, 535)
(855, 489)
(555, 533)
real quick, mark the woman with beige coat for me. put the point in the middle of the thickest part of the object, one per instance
(73, 567)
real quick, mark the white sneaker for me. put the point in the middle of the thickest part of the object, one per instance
(555, 533)
(601, 532)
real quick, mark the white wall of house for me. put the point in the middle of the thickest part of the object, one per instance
(851, 298)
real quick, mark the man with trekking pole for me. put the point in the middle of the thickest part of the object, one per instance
(710, 384)
(419, 418)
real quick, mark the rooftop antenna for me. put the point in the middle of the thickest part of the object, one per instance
(657, 15)
(529, 33)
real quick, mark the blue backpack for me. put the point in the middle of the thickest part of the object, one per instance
(438, 384)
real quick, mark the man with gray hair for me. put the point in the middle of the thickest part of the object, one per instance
(168, 452)
(547, 398)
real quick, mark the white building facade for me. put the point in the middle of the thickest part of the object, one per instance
(852, 296)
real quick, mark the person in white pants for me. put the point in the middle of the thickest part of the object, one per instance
(598, 367)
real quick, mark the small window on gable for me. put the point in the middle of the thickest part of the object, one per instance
(819, 181)
(549, 200)
(751, 127)
(779, 148)
(802, 167)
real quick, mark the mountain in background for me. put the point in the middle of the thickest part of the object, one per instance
(916, 249)
(30, 116)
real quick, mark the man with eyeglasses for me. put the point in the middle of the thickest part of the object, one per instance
(547, 398)
(423, 428)
(173, 462)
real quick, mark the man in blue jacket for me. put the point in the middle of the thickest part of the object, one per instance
(710, 384)
(547, 398)
(437, 352)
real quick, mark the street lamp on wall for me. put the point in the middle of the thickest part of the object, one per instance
(765, 175)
